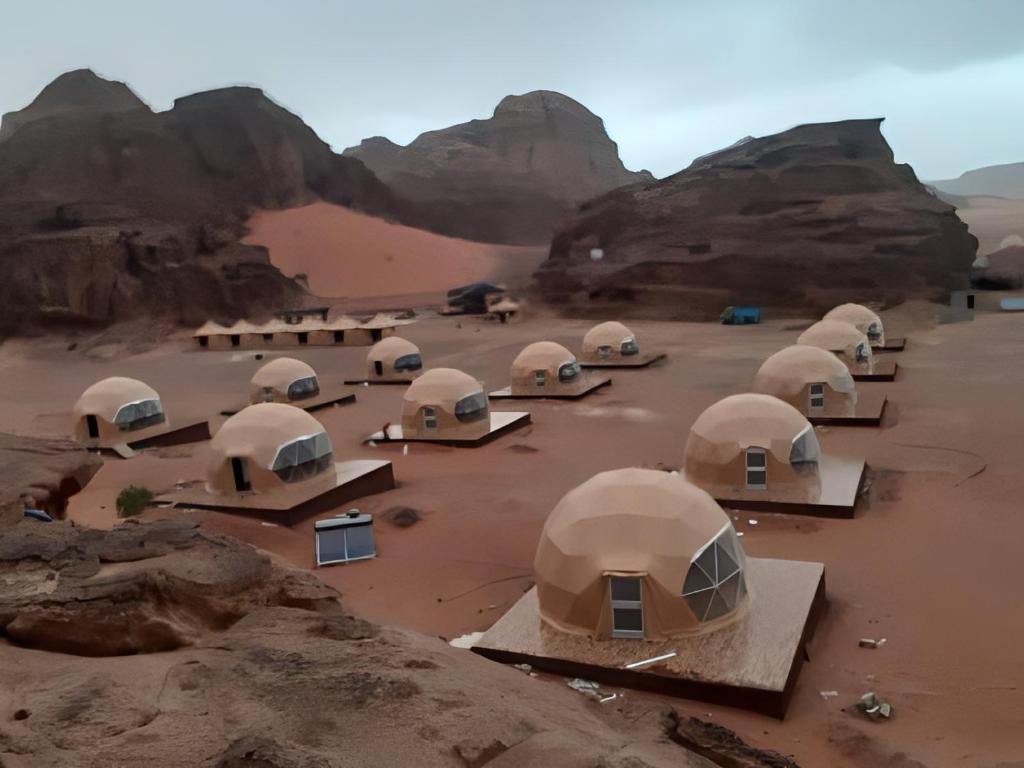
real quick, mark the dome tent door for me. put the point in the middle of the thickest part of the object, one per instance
(92, 425)
(627, 606)
(240, 470)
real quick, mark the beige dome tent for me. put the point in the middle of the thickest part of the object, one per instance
(393, 360)
(266, 446)
(609, 341)
(275, 461)
(862, 318)
(754, 445)
(545, 367)
(284, 380)
(812, 380)
(445, 403)
(843, 339)
(638, 553)
(118, 410)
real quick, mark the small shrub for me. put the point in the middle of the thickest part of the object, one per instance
(132, 500)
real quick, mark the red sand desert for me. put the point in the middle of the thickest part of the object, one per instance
(346, 254)
(928, 562)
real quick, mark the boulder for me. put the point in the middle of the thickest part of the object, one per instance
(802, 220)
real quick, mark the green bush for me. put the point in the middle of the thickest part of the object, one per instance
(132, 500)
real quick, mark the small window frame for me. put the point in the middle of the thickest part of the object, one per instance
(626, 605)
(755, 468)
(429, 417)
(816, 396)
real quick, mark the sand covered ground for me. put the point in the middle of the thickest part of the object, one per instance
(346, 254)
(930, 562)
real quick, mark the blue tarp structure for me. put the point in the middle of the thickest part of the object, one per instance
(38, 514)
(740, 315)
(1013, 304)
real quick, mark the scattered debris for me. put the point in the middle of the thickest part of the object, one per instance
(874, 707)
(609, 698)
(826, 695)
(869, 642)
(466, 641)
(523, 668)
(719, 745)
(405, 449)
(402, 517)
(586, 687)
(739, 533)
(752, 522)
(653, 660)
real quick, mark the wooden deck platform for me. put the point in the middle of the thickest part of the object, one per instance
(868, 413)
(897, 344)
(750, 663)
(636, 361)
(881, 370)
(294, 502)
(344, 396)
(502, 422)
(582, 388)
(842, 478)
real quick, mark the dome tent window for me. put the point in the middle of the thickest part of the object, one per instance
(816, 393)
(629, 347)
(303, 458)
(568, 371)
(429, 418)
(805, 448)
(627, 606)
(409, 363)
(304, 388)
(471, 408)
(757, 469)
(139, 415)
(862, 353)
(714, 582)
(604, 352)
(874, 331)
(539, 378)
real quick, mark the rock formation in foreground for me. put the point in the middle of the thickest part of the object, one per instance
(38, 473)
(510, 178)
(801, 220)
(259, 666)
(109, 210)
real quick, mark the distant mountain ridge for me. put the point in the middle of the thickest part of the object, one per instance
(509, 178)
(1005, 180)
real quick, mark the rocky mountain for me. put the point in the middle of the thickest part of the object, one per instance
(803, 219)
(993, 180)
(109, 210)
(510, 178)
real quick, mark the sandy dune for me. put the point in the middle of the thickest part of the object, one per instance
(346, 254)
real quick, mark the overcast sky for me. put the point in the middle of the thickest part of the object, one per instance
(673, 79)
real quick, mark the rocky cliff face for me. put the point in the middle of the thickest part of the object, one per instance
(41, 474)
(804, 219)
(510, 178)
(109, 210)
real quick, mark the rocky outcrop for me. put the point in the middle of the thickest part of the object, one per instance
(261, 668)
(79, 91)
(140, 588)
(510, 178)
(109, 210)
(41, 474)
(802, 220)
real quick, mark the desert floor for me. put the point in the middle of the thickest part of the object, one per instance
(929, 562)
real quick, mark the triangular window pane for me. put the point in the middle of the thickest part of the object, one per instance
(730, 590)
(717, 608)
(696, 580)
(699, 602)
(727, 566)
